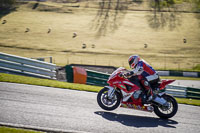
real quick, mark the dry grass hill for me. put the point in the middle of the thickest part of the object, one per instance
(103, 33)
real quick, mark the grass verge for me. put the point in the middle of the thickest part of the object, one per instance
(188, 101)
(16, 130)
(179, 78)
(58, 84)
(46, 82)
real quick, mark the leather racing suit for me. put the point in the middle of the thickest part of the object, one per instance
(147, 76)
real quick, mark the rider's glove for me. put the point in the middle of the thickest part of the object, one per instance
(129, 74)
(123, 75)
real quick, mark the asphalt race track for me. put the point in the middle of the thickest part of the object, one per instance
(77, 111)
(187, 83)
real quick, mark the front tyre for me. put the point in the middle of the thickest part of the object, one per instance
(169, 111)
(108, 103)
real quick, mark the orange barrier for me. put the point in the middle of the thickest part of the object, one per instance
(80, 75)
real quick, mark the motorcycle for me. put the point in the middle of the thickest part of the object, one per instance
(132, 95)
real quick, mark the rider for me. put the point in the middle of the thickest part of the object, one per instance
(147, 75)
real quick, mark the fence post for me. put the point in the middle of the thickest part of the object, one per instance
(51, 59)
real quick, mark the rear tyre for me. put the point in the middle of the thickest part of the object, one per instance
(106, 103)
(169, 111)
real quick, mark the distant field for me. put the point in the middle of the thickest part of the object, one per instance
(110, 36)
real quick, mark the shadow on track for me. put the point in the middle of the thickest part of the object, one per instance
(137, 121)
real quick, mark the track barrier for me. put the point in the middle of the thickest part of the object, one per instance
(25, 66)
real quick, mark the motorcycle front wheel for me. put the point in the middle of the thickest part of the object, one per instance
(107, 103)
(169, 111)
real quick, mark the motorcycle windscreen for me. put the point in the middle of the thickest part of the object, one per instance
(80, 75)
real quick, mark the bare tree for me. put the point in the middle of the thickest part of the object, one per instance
(7, 3)
(109, 16)
(164, 14)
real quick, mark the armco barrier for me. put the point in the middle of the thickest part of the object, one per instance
(97, 78)
(25, 66)
(193, 92)
(176, 91)
(186, 92)
(179, 73)
(100, 79)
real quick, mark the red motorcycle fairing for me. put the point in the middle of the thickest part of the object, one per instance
(131, 102)
(122, 84)
(137, 103)
(164, 83)
(128, 100)
(138, 107)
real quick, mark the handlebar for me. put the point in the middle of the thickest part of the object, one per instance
(123, 75)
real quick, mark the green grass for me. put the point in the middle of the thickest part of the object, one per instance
(116, 37)
(46, 82)
(179, 78)
(197, 67)
(188, 101)
(65, 85)
(15, 130)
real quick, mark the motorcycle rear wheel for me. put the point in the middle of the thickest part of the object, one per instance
(167, 112)
(106, 103)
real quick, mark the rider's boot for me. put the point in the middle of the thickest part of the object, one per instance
(151, 96)
(155, 98)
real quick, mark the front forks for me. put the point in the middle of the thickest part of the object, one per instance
(111, 92)
(160, 100)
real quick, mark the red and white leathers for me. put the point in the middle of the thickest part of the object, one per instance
(147, 75)
(145, 70)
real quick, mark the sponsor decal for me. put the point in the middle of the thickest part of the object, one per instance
(138, 107)
(116, 82)
(129, 83)
(123, 86)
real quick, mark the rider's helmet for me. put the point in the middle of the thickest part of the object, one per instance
(133, 61)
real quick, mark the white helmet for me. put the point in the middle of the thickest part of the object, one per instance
(133, 61)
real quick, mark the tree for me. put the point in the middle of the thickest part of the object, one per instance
(7, 3)
(159, 4)
(197, 2)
